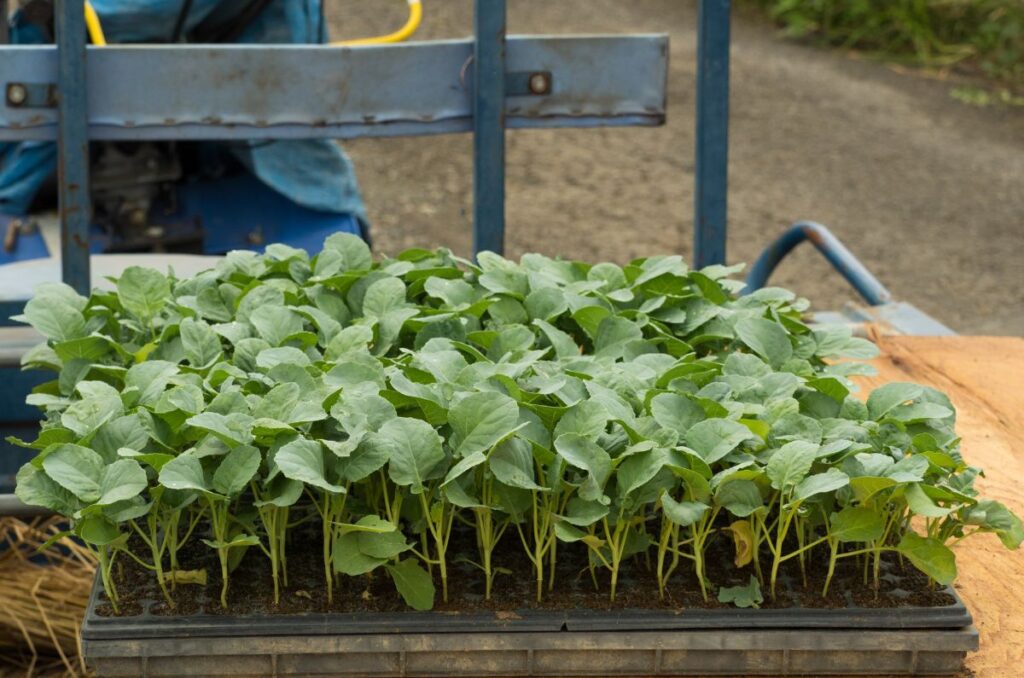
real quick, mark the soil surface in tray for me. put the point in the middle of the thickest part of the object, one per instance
(514, 588)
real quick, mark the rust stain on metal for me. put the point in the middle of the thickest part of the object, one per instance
(813, 235)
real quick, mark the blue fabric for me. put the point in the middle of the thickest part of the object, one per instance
(313, 173)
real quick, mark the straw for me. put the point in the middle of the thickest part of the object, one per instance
(42, 598)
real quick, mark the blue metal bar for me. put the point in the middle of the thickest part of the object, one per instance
(489, 126)
(317, 91)
(711, 166)
(842, 259)
(73, 145)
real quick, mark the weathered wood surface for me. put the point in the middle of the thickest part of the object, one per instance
(984, 377)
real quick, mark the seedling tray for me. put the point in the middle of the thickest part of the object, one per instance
(854, 640)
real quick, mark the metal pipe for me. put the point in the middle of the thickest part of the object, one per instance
(842, 259)
(72, 145)
(710, 181)
(489, 126)
(10, 505)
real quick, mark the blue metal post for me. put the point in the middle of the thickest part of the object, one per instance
(72, 145)
(489, 126)
(711, 167)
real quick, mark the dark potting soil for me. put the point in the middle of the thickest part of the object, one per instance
(252, 592)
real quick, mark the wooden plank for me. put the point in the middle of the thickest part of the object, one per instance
(984, 377)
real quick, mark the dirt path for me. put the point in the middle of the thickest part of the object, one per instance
(925, 190)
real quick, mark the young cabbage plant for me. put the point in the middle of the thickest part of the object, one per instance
(396, 398)
(416, 461)
(219, 481)
(100, 498)
(789, 470)
(373, 542)
(480, 422)
(306, 461)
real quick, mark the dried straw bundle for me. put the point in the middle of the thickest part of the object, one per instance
(42, 598)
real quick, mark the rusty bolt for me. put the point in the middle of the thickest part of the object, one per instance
(254, 237)
(16, 94)
(540, 83)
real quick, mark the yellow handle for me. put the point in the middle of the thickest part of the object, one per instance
(92, 23)
(95, 28)
(403, 33)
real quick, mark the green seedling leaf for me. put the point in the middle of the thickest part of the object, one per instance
(992, 516)
(413, 448)
(77, 469)
(480, 421)
(512, 464)
(200, 343)
(886, 398)
(930, 556)
(636, 471)
(352, 252)
(413, 584)
(35, 488)
(184, 472)
(739, 497)
(589, 419)
(713, 439)
(683, 513)
(676, 412)
(586, 455)
(304, 460)
(54, 318)
(97, 529)
(820, 483)
(143, 292)
(236, 469)
(790, 464)
(765, 338)
(921, 504)
(742, 596)
(857, 524)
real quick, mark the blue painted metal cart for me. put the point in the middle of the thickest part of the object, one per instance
(482, 85)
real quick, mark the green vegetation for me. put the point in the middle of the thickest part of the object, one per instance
(988, 34)
(631, 412)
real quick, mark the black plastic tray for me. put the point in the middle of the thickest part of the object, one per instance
(149, 625)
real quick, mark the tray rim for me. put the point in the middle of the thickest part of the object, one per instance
(576, 620)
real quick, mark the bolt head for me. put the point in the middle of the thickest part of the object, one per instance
(17, 94)
(540, 83)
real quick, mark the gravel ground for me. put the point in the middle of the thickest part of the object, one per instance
(927, 191)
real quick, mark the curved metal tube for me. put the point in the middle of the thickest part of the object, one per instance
(842, 259)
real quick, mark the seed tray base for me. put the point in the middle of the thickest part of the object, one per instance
(787, 642)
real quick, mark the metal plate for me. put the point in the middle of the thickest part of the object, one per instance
(297, 91)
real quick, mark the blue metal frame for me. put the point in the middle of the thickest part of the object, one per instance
(73, 145)
(192, 92)
(489, 126)
(842, 259)
(712, 134)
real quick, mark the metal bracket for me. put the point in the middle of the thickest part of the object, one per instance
(31, 94)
